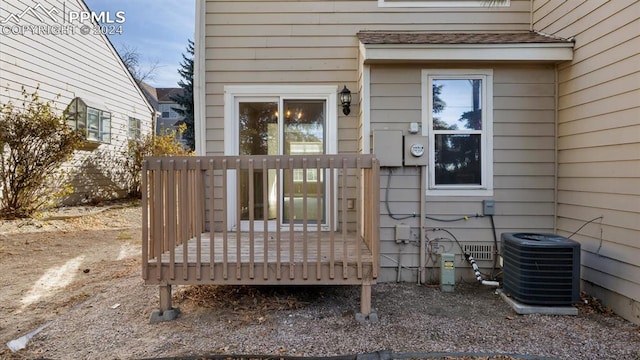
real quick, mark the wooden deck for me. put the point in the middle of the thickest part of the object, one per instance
(320, 258)
(184, 198)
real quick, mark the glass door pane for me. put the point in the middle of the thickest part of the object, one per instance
(258, 136)
(304, 134)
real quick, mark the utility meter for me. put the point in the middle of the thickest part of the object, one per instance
(416, 150)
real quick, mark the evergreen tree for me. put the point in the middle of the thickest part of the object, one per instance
(186, 99)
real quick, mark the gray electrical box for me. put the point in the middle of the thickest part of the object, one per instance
(447, 272)
(403, 233)
(415, 150)
(488, 207)
(387, 147)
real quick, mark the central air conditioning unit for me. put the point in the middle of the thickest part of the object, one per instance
(541, 269)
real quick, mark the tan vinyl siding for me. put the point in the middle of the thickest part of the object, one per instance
(66, 66)
(314, 42)
(599, 142)
(524, 157)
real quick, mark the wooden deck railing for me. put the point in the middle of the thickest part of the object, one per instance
(187, 237)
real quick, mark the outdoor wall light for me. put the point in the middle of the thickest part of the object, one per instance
(345, 100)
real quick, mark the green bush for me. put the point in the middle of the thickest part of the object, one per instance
(34, 143)
(166, 144)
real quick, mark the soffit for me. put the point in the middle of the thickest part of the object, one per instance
(382, 46)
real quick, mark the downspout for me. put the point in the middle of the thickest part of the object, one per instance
(556, 150)
(531, 15)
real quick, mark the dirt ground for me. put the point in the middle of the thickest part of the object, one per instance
(76, 272)
(50, 264)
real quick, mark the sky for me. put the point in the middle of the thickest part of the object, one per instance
(158, 29)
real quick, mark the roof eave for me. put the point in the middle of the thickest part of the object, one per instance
(538, 52)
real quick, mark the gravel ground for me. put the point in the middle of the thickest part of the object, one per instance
(112, 321)
(320, 322)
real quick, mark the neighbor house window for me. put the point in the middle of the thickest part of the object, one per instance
(91, 119)
(443, 3)
(168, 112)
(459, 122)
(135, 127)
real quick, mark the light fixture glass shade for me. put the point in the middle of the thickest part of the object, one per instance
(345, 100)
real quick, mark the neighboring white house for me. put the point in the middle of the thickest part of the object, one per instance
(45, 45)
(167, 118)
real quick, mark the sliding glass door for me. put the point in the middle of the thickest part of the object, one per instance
(282, 126)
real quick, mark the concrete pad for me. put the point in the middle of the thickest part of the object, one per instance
(158, 317)
(524, 309)
(371, 319)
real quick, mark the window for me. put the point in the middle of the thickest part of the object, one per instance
(168, 112)
(442, 3)
(135, 127)
(90, 119)
(458, 117)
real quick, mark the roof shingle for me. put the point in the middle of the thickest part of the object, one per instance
(396, 37)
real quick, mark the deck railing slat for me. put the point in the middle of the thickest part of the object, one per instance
(278, 220)
(225, 225)
(158, 214)
(165, 209)
(238, 221)
(332, 221)
(319, 217)
(374, 236)
(171, 205)
(145, 219)
(357, 205)
(305, 216)
(343, 194)
(199, 196)
(212, 221)
(292, 269)
(252, 206)
(265, 218)
(184, 205)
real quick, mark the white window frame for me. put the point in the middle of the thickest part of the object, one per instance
(232, 93)
(486, 140)
(439, 3)
(102, 131)
(135, 128)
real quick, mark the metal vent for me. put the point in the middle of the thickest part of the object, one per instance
(479, 252)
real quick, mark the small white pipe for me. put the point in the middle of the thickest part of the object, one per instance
(476, 271)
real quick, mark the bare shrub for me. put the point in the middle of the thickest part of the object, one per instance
(166, 144)
(34, 143)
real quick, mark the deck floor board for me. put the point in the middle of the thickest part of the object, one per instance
(271, 257)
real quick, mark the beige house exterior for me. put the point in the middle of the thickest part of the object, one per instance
(495, 104)
(598, 142)
(45, 46)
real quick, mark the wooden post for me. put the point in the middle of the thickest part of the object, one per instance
(365, 299)
(165, 298)
(166, 312)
